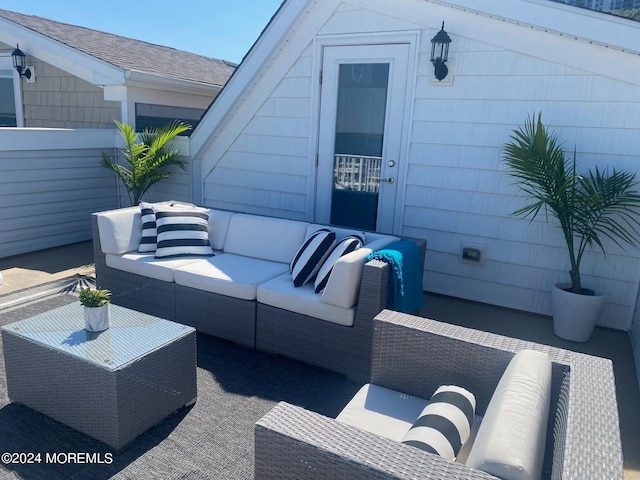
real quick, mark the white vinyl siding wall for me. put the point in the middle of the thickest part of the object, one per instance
(456, 187)
(266, 169)
(52, 180)
(50, 183)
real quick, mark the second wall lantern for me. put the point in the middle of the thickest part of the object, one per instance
(440, 53)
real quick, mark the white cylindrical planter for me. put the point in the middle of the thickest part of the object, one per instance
(574, 315)
(96, 319)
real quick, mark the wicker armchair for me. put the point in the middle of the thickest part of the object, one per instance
(416, 355)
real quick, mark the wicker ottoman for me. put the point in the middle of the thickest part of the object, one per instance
(112, 385)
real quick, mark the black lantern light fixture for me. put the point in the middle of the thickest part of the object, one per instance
(19, 63)
(440, 53)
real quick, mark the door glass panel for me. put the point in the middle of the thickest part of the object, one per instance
(7, 100)
(360, 122)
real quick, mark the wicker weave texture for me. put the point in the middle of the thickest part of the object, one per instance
(218, 315)
(113, 406)
(416, 355)
(346, 350)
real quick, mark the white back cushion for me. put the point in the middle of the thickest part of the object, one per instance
(267, 238)
(343, 286)
(120, 230)
(511, 441)
(218, 227)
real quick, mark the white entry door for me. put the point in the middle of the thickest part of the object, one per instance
(362, 108)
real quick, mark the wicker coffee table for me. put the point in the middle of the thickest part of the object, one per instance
(112, 385)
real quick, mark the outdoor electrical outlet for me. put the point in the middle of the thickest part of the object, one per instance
(472, 254)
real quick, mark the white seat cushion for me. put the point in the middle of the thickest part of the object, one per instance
(267, 238)
(147, 265)
(280, 292)
(511, 441)
(382, 411)
(227, 274)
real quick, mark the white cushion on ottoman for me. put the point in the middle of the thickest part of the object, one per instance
(227, 274)
(511, 441)
(382, 411)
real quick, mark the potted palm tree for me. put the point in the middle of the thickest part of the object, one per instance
(148, 156)
(590, 208)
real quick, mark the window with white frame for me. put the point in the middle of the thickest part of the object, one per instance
(11, 114)
(7, 100)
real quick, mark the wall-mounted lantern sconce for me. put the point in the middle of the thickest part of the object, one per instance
(19, 63)
(440, 53)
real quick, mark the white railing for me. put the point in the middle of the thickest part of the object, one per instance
(357, 173)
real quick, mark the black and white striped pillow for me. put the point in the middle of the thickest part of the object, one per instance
(182, 231)
(344, 246)
(149, 238)
(445, 423)
(308, 260)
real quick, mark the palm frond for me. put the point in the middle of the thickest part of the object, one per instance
(590, 208)
(148, 157)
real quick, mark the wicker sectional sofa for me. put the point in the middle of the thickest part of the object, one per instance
(244, 293)
(416, 355)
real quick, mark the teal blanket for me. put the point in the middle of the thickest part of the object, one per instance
(405, 282)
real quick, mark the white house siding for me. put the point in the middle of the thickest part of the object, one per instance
(50, 183)
(456, 188)
(266, 169)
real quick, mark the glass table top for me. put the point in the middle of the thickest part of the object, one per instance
(131, 335)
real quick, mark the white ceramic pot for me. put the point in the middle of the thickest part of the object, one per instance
(574, 315)
(96, 319)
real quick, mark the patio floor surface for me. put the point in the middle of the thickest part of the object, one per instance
(30, 270)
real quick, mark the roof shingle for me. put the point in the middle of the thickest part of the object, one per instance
(127, 53)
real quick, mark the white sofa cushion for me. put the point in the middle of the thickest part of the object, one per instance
(444, 425)
(120, 230)
(228, 274)
(343, 286)
(279, 292)
(147, 265)
(511, 441)
(218, 228)
(382, 411)
(310, 256)
(347, 245)
(267, 238)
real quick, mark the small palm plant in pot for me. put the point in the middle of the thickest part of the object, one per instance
(96, 308)
(592, 208)
(148, 156)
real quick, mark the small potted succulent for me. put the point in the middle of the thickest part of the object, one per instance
(96, 308)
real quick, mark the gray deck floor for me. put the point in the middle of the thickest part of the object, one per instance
(32, 269)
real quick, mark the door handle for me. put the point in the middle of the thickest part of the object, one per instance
(389, 180)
